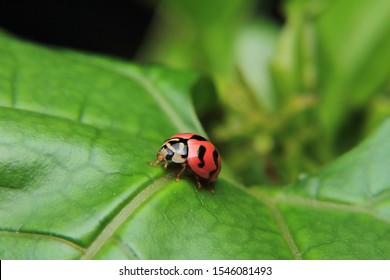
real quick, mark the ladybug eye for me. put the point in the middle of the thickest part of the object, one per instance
(165, 153)
(169, 154)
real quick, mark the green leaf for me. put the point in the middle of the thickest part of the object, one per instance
(76, 133)
(343, 212)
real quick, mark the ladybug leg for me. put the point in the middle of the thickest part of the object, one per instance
(154, 162)
(209, 186)
(198, 184)
(211, 189)
(183, 167)
(158, 161)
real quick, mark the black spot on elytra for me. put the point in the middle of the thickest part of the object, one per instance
(201, 153)
(215, 157)
(198, 137)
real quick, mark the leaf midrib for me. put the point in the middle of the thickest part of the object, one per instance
(124, 213)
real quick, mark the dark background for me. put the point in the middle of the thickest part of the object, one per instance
(116, 28)
(111, 27)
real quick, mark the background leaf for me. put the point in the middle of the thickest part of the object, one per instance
(343, 211)
(335, 49)
(76, 133)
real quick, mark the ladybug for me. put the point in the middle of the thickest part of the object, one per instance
(192, 151)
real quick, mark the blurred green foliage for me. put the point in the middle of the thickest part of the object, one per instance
(294, 95)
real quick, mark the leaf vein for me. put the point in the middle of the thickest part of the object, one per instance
(331, 205)
(123, 215)
(281, 223)
(150, 89)
(165, 106)
(49, 235)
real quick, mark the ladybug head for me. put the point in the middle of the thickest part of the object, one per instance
(164, 153)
